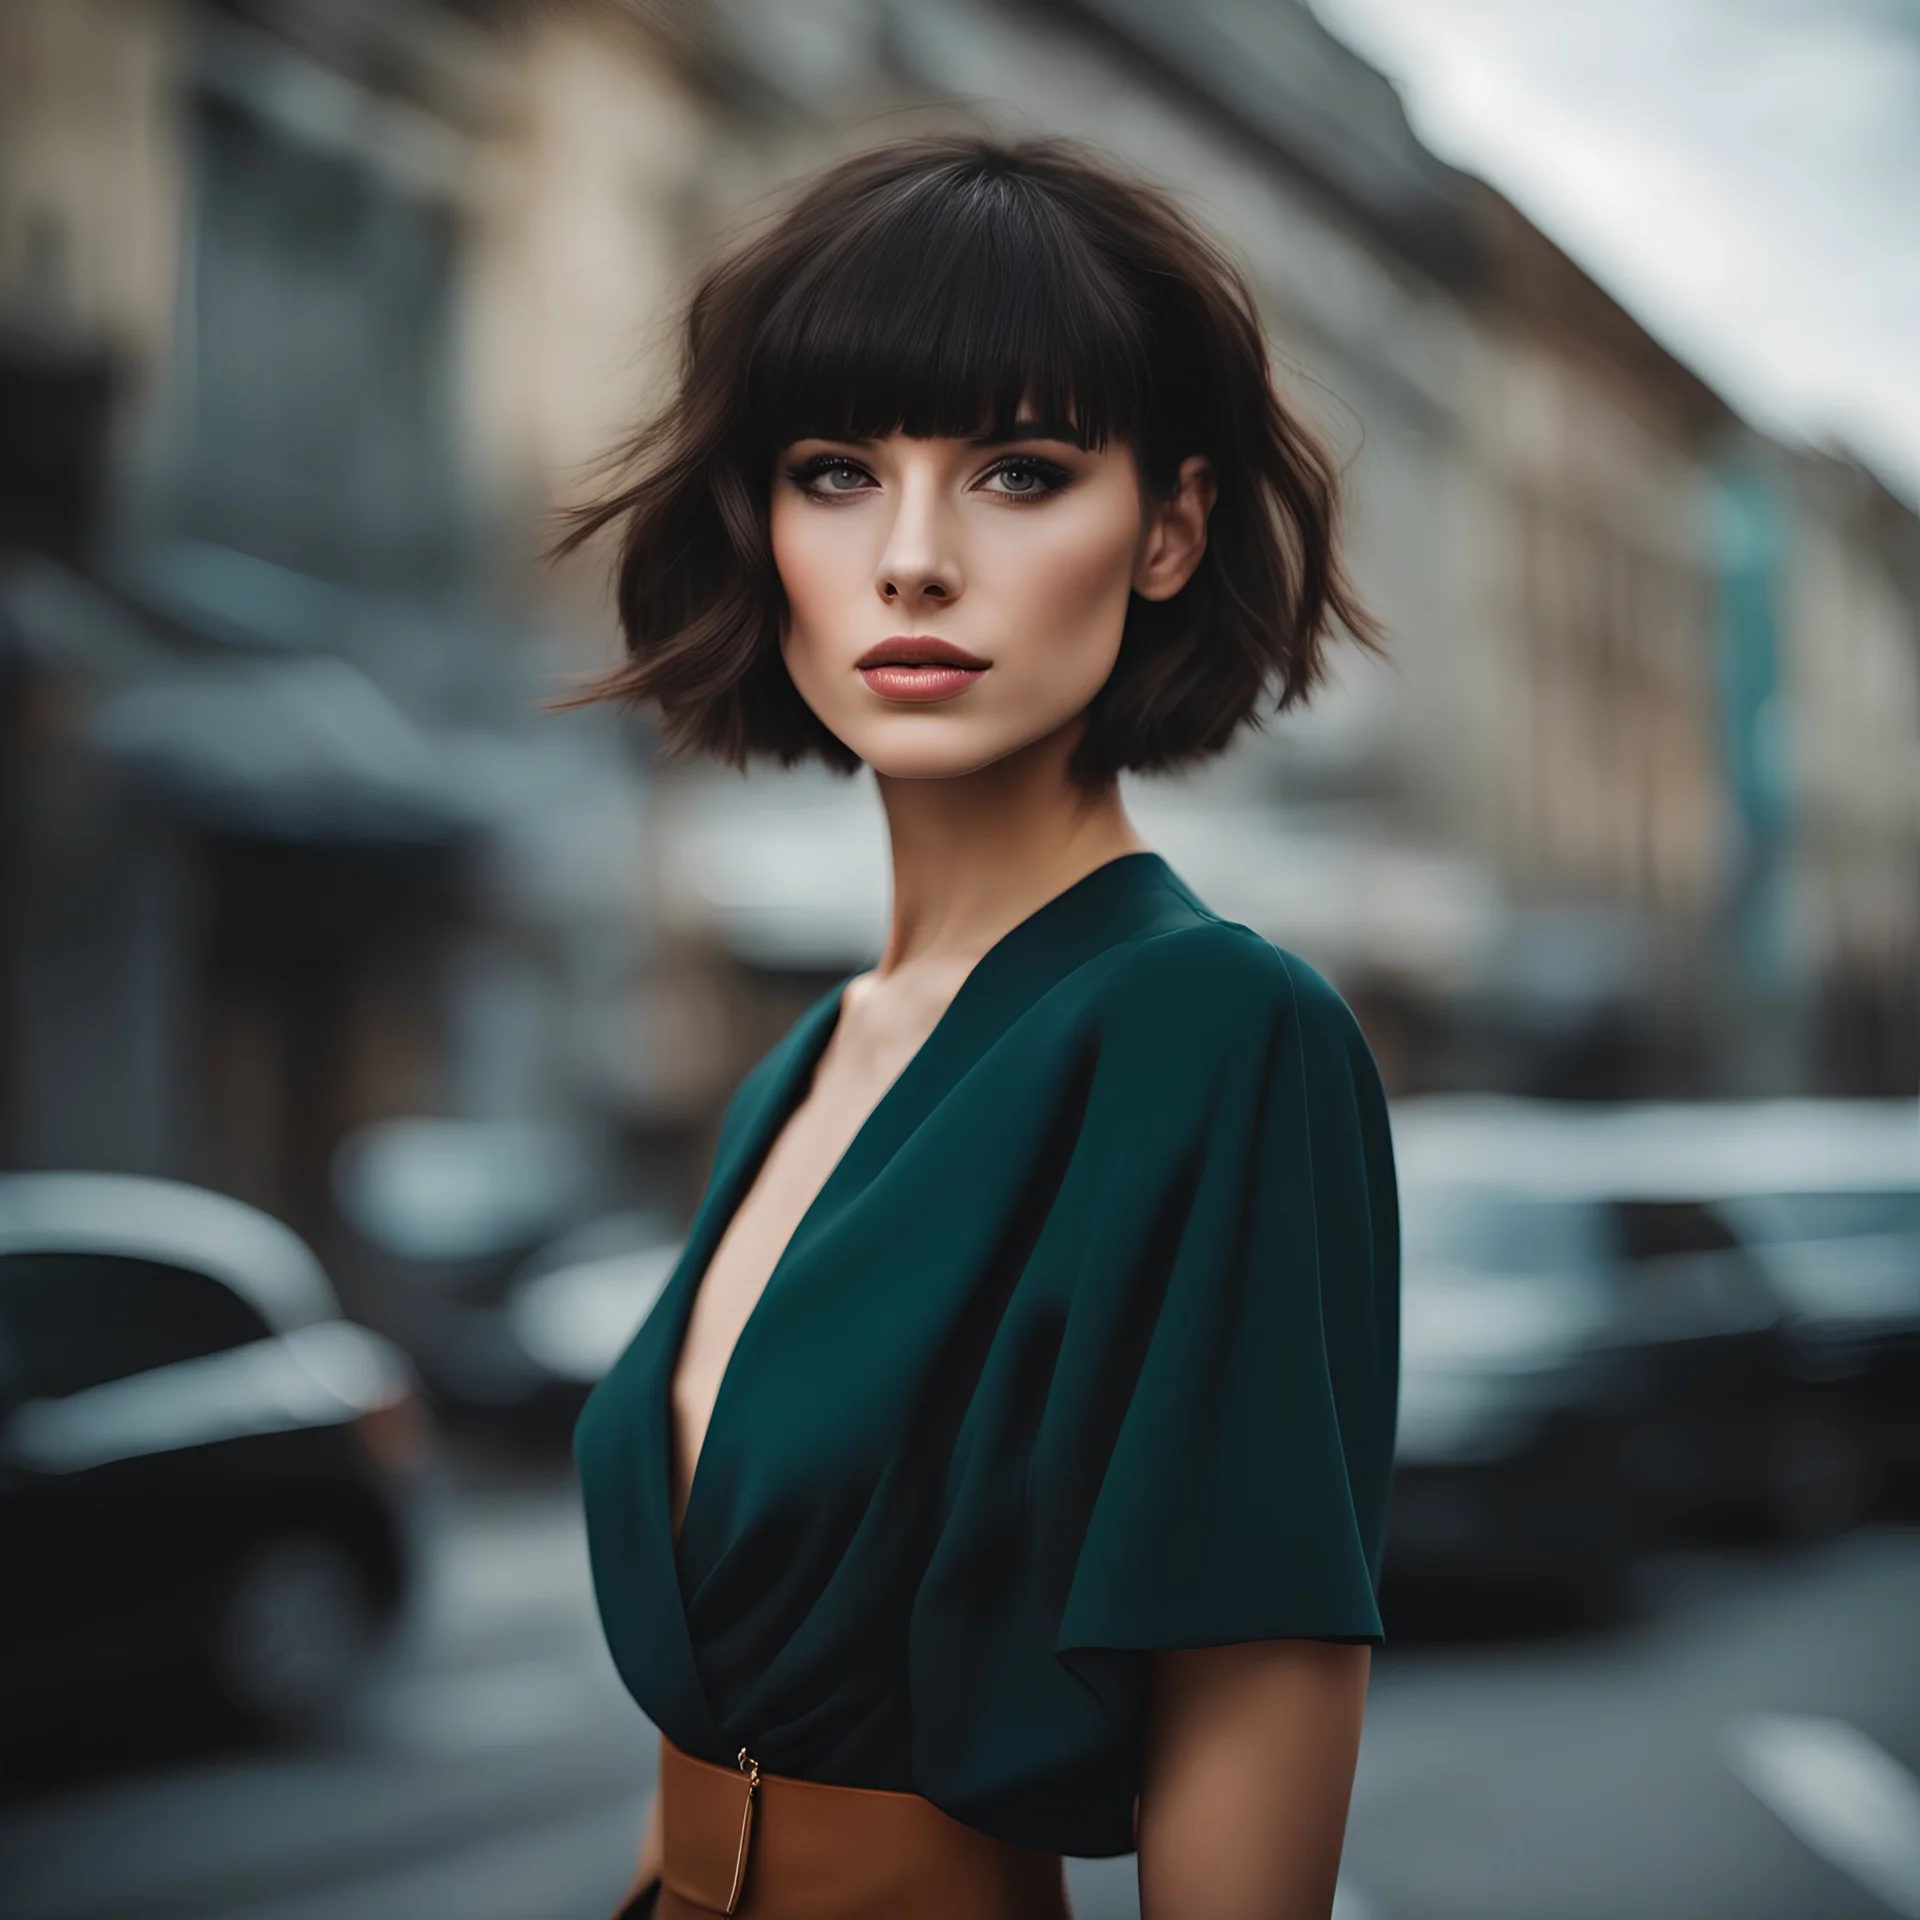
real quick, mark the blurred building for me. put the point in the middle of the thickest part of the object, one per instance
(288, 846)
(313, 309)
(1840, 740)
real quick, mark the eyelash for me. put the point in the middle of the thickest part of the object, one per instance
(1052, 475)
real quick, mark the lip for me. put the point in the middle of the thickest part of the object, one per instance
(912, 668)
(919, 683)
(919, 650)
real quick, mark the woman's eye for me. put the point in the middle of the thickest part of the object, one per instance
(1028, 479)
(825, 477)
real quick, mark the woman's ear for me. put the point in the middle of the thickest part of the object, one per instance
(1174, 538)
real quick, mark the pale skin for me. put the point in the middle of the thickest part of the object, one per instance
(1025, 552)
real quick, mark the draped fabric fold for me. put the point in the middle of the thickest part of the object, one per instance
(1088, 1348)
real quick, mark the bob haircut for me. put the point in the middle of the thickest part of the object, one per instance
(931, 286)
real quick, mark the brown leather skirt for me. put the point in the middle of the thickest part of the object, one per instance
(764, 1847)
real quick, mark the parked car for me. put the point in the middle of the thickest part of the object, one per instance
(445, 1214)
(523, 1353)
(1827, 1194)
(571, 1309)
(1847, 1262)
(1668, 1400)
(1725, 1430)
(1510, 1460)
(209, 1480)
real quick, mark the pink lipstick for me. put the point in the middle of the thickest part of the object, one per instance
(918, 667)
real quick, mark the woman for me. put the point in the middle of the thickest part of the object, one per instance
(1002, 1473)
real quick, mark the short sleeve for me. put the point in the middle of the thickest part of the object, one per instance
(1245, 1310)
(1184, 1433)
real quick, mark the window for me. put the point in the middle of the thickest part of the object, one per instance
(1848, 1215)
(1494, 1232)
(1685, 1276)
(1658, 1229)
(320, 339)
(69, 1321)
(1847, 1258)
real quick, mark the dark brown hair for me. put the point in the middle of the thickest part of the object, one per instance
(931, 286)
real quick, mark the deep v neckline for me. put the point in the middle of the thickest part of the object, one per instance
(811, 1037)
(795, 1085)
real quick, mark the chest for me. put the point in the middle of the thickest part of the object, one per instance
(847, 1085)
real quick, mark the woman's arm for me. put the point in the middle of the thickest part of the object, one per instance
(1249, 1768)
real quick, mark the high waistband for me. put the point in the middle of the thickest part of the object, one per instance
(762, 1846)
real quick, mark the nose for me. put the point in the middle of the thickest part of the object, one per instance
(918, 565)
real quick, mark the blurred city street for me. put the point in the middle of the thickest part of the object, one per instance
(497, 1772)
(368, 1013)
(498, 1768)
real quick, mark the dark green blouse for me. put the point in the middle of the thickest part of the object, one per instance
(1088, 1346)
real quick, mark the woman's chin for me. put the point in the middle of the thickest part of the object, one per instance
(942, 753)
(950, 739)
(929, 766)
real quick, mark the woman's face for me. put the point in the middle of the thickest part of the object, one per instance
(951, 601)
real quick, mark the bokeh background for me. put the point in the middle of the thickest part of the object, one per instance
(313, 312)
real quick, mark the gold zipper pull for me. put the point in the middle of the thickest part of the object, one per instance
(750, 1767)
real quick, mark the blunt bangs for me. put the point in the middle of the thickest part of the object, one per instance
(955, 304)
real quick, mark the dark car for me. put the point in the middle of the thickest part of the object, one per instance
(446, 1214)
(1592, 1353)
(1846, 1261)
(569, 1311)
(1726, 1429)
(1827, 1194)
(1823, 1198)
(1510, 1469)
(208, 1479)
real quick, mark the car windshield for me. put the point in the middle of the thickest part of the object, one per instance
(1839, 1258)
(1776, 1218)
(69, 1321)
(1494, 1232)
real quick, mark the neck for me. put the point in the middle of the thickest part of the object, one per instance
(975, 854)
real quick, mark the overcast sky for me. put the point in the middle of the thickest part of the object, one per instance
(1744, 175)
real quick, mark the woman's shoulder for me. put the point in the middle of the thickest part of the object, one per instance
(1218, 979)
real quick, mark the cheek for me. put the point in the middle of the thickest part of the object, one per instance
(814, 566)
(1072, 589)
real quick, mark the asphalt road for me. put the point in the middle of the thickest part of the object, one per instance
(1744, 1744)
